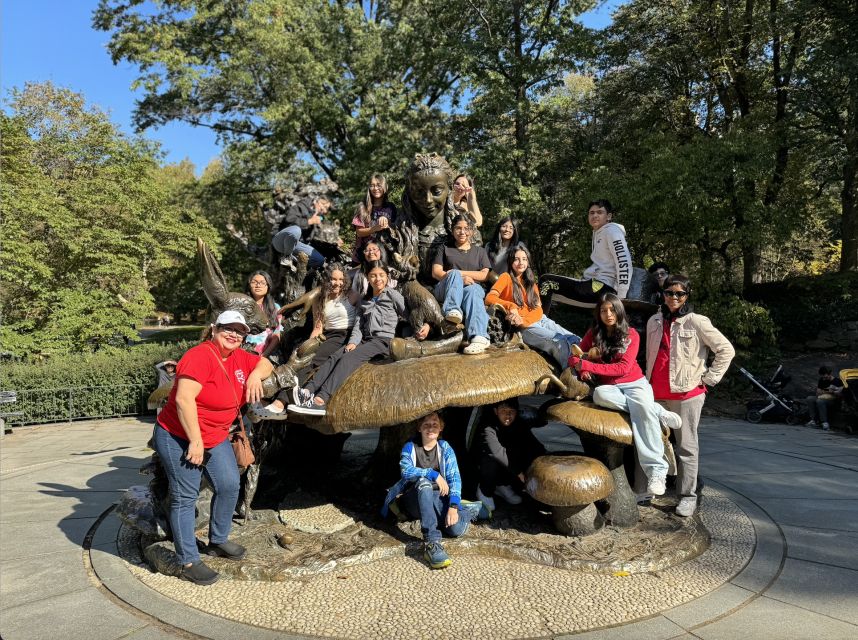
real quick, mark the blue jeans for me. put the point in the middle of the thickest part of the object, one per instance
(222, 473)
(636, 399)
(452, 293)
(548, 336)
(422, 501)
(316, 258)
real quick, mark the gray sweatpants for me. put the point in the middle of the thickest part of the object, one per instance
(687, 447)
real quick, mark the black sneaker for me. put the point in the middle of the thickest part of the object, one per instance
(199, 573)
(229, 550)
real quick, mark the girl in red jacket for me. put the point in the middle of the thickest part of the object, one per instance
(623, 387)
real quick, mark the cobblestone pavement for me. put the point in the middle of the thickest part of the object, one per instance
(780, 504)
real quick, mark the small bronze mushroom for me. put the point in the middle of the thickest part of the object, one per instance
(604, 434)
(571, 484)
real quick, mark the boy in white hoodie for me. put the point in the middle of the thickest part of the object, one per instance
(611, 271)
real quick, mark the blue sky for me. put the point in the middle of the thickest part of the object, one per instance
(54, 40)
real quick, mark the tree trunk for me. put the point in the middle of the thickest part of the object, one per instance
(849, 217)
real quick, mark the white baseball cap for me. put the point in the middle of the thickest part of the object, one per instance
(232, 317)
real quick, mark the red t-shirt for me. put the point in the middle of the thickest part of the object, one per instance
(622, 369)
(660, 378)
(216, 403)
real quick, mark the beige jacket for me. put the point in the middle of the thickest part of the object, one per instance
(692, 337)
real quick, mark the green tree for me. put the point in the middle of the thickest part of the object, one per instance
(86, 225)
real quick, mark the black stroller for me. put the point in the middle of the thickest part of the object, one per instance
(776, 406)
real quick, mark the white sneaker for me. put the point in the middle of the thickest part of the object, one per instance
(686, 506)
(454, 317)
(657, 485)
(488, 502)
(307, 410)
(478, 345)
(810, 423)
(508, 493)
(643, 498)
(825, 426)
(670, 419)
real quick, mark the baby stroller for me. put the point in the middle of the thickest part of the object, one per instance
(776, 405)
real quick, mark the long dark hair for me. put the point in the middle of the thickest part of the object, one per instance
(369, 266)
(610, 346)
(684, 282)
(364, 210)
(528, 292)
(496, 244)
(268, 305)
(319, 303)
(362, 258)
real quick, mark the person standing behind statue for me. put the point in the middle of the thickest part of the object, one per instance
(191, 436)
(373, 216)
(828, 392)
(259, 287)
(517, 293)
(507, 447)
(678, 345)
(465, 199)
(659, 271)
(297, 226)
(460, 268)
(505, 236)
(623, 387)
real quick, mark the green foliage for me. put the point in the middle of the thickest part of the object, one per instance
(111, 381)
(87, 225)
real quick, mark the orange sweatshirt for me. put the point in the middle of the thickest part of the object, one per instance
(501, 293)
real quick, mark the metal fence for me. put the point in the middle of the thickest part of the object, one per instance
(38, 406)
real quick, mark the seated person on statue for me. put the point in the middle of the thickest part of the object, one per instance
(380, 311)
(374, 215)
(516, 291)
(460, 269)
(623, 387)
(297, 228)
(506, 235)
(260, 287)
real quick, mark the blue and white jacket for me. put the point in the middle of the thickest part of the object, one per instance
(412, 473)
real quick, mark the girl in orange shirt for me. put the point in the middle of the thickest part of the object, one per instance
(517, 293)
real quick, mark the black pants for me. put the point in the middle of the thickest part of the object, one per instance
(342, 364)
(576, 292)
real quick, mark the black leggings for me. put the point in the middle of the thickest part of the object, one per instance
(342, 364)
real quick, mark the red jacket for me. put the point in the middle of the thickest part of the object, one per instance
(623, 368)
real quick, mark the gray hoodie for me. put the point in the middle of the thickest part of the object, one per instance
(378, 316)
(612, 260)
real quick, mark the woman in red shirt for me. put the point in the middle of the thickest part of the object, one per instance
(623, 387)
(213, 381)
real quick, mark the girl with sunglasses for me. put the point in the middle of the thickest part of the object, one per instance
(622, 386)
(679, 343)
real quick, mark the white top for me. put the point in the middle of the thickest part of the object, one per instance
(612, 260)
(339, 314)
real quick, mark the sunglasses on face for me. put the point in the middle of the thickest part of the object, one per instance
(675, 294)
(241, 333)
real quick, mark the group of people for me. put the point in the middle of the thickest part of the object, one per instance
(358, 314)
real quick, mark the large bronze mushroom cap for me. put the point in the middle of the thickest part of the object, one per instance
(594, 420)
(567, 481)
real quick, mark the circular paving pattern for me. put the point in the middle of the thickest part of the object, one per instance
(479, 596)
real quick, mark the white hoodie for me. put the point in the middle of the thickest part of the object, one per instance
(612, 260)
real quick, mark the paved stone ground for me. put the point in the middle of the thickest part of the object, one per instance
(792, 489)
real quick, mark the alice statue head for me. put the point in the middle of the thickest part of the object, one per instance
(428, 198)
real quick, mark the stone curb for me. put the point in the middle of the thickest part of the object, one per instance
(755, 577)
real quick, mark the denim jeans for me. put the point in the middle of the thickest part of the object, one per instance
(452, 293)
(222, 473)
(316, 258)
(548, 336)
(636, 399)
(818, 408)
(422, 501)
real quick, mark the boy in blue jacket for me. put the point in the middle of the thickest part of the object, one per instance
(431, 489)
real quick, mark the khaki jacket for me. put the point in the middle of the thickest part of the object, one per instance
(692, 337)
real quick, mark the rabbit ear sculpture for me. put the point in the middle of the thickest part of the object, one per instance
(220, 297)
